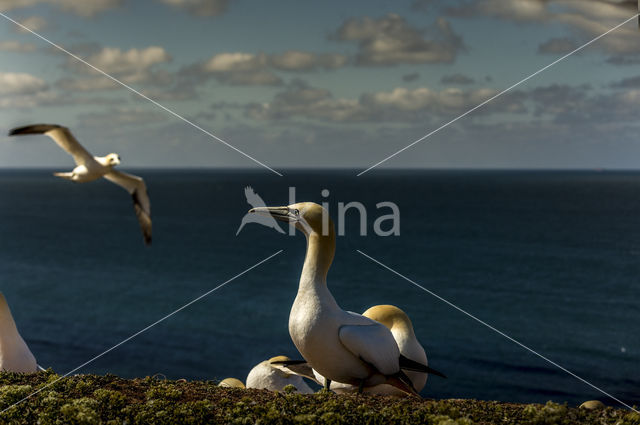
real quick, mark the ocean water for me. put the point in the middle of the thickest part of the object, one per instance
(550, 258)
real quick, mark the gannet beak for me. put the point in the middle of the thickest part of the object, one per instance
(279, 213)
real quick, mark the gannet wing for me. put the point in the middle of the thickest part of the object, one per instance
(374, 344)
(141, 203)
(296, 367)
(253, 198)
(62, 136)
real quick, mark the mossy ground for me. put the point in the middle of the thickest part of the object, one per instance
(92, 399)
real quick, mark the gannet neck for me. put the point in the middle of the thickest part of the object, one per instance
(320, 252)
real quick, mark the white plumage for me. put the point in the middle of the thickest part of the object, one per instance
(269, 377)
(15, 356)
(89, 168)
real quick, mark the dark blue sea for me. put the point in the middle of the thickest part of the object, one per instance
(551, 259)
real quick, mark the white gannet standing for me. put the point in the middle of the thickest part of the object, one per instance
(402, 329)
(89, 168)
(15, 356)
(267, 376)
(256, 201)
(231, 383)
(340, 345)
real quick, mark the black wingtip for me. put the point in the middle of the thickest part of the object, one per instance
(289, 362)
(408, 364)
(33, 129)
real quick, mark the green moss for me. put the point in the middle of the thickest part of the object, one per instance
(93, 399)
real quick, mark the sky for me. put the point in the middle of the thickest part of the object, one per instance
(325, 84)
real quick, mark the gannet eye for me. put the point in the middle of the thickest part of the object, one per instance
(296, 212)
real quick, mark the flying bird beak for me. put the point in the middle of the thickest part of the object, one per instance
(279, 213)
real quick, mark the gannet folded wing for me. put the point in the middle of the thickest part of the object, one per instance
(62, 136)
(296, 367)
(138, 191)
(374, 344)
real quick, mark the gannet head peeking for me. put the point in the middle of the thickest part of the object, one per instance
(308, 217)
(231, 383)
(392, 317)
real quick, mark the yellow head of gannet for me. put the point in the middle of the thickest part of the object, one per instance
(15, 356)
(402, 329)
(231, 383)
(341, 346)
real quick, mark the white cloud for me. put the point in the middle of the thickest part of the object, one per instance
(295, 60)
(130, 66)
(122, 116)
(200, 7)
(224, 62)
(558, 46)
(584, 18)
(235, 69)
(87, 84)
(16, 46)
(34, 23)
(12, 83)
(85, 8)
(399, 104)
(391, 40)
(113, 60)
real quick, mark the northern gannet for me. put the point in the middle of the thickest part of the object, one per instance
(340, 345)
(231, 383)
(267, 376)
(89, 168)
(15, 356)
(402, 329)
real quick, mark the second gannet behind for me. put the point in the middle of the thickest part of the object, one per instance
(402, 329)
(15, 356)
(340, 345)
(268, 376)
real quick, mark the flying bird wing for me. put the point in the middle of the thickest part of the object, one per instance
(62, 136)
(138, 191)
(374, 344)
(253, 198)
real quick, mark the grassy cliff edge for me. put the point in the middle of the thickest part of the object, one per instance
(94, 399)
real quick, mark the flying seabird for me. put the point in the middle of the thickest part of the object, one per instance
(256, 202)
(340, 345)
(15, 356)
(267, 376)
(89, 168)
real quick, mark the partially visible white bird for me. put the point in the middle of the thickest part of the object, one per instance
(267, 376)
(89, 168)
(256, 202)
(340, 345)
(15, 356)
(231, 383)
